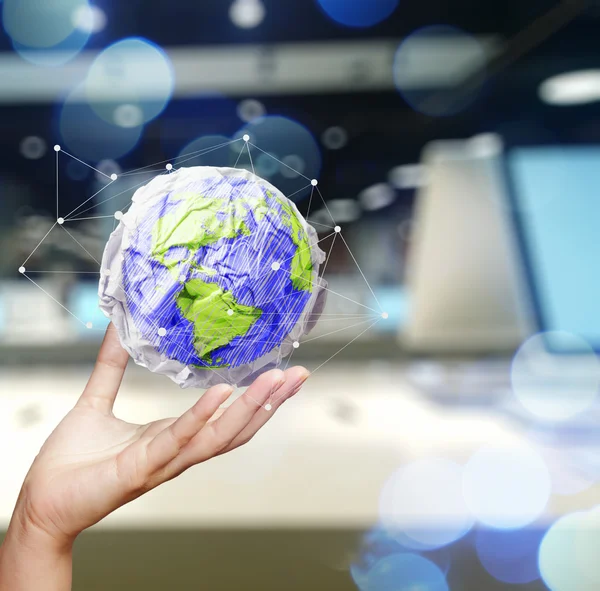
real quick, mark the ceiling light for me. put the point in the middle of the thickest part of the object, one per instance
(408, 176)
(377, 197)
(571, 88)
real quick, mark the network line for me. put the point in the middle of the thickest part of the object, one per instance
(370, 315)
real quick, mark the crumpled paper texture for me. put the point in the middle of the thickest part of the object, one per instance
(116, 304)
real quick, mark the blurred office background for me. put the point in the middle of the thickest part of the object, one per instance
(451, 444)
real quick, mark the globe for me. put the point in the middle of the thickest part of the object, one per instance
(211, 276)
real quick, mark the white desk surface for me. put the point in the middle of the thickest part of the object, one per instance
(309, 467)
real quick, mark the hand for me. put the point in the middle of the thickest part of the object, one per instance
(93, 462)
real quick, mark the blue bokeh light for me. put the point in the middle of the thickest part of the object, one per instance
(90, 138)
(77, 171)
(209, 150)
(133, 71)
(60, 54)
(290, 141)
(432, 63)
(379, 543)
(424, 501)
(506, 488)
(35, 24)
(405, 572)
(358, 13)
(511, 556)
(266, 165)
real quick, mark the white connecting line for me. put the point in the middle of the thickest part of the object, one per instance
(370, 315)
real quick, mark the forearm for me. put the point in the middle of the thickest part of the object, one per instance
(31, 561)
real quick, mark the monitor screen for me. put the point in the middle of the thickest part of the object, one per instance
(556, 200)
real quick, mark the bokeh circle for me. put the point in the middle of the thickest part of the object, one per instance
(424, 500)
(133, 71)
(510, 556)
(506, 488)
(208, 150)
(410, 570)
(292, 144)
(568, 557)
(555, 375)
(89, 137)
(36, 24)
(449, 87)
(358, 13)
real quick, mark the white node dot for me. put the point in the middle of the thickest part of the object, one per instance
(118, 215)
(113, 176)
(162, 332)
(182, 278)
(57, 148)
(107, 272)
(275, 266)
(229, 312)
(314, 182)
(246, 138)
(385, 315)
(169, 166)
(89, 325)
(295, 344)
(21, 269)
(268, 407)
(337, 229)
(60, 221)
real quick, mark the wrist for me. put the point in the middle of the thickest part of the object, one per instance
(30, 558)
(24, 531)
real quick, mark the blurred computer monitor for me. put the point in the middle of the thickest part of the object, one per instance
(555, 197)
(463, 276)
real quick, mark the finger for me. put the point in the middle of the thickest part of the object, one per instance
(170, 441)
(294, 380)
(218, 434)
(104, 383)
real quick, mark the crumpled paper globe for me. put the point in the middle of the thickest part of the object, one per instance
(212, 276)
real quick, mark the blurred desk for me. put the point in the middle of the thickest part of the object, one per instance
(321, 463)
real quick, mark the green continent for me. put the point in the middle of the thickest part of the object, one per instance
(195, 224)
(301, 266)
(206, 305)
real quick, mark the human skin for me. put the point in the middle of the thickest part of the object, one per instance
(93, 463)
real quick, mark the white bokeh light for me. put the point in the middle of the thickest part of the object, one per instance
(567, 475)
(89, 19)
(334, 138)
(425, 501)
(33, 147)
(133, 71)
(506, 488)
(105, 169)
(128, 116)
(568, 556)
(250, 109)
(247, 14)
(555, 375)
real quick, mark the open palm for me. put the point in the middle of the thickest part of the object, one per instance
(94, 462)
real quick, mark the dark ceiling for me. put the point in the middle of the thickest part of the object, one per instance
(541, 37)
